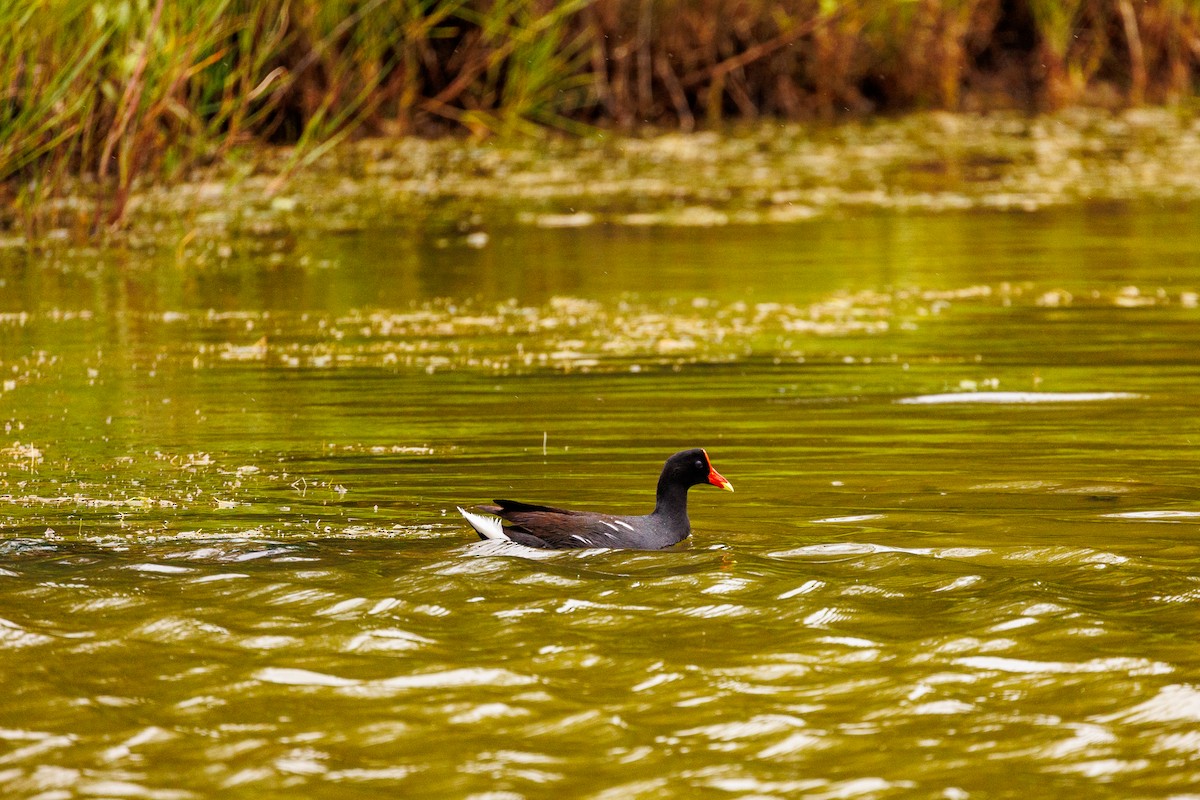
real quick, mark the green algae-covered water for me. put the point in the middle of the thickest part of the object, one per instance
(962, 560)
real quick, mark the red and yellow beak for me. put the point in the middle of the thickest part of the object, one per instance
(716, 478)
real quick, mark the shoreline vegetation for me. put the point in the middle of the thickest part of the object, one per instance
(105, 101)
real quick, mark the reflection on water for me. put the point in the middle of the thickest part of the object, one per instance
(230, 564)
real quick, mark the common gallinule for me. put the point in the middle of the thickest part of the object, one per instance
(560, 529)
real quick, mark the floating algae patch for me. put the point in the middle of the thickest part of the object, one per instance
(576, 334)
(768, 173)
(565, 334)
(570, 333)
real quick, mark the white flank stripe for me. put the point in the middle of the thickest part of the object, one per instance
(625, 525)
(609, 524)
(488, 527)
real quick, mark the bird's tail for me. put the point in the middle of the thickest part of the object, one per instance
(486, 527)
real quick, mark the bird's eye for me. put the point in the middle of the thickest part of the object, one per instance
(699, 464)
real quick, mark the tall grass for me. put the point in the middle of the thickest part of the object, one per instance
(97, 95)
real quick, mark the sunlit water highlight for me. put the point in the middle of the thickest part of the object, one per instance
(230, 564)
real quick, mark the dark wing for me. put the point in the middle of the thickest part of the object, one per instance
(558, 527)
(503, 507)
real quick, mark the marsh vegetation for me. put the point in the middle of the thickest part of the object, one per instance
(103, 97)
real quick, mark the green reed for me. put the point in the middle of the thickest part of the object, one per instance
(98, 95)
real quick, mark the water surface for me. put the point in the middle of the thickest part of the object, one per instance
(230, 564)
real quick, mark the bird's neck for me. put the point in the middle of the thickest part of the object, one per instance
(671, 500)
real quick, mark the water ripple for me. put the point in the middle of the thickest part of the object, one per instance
(710, 670)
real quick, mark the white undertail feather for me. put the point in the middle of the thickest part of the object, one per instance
(488, 527)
